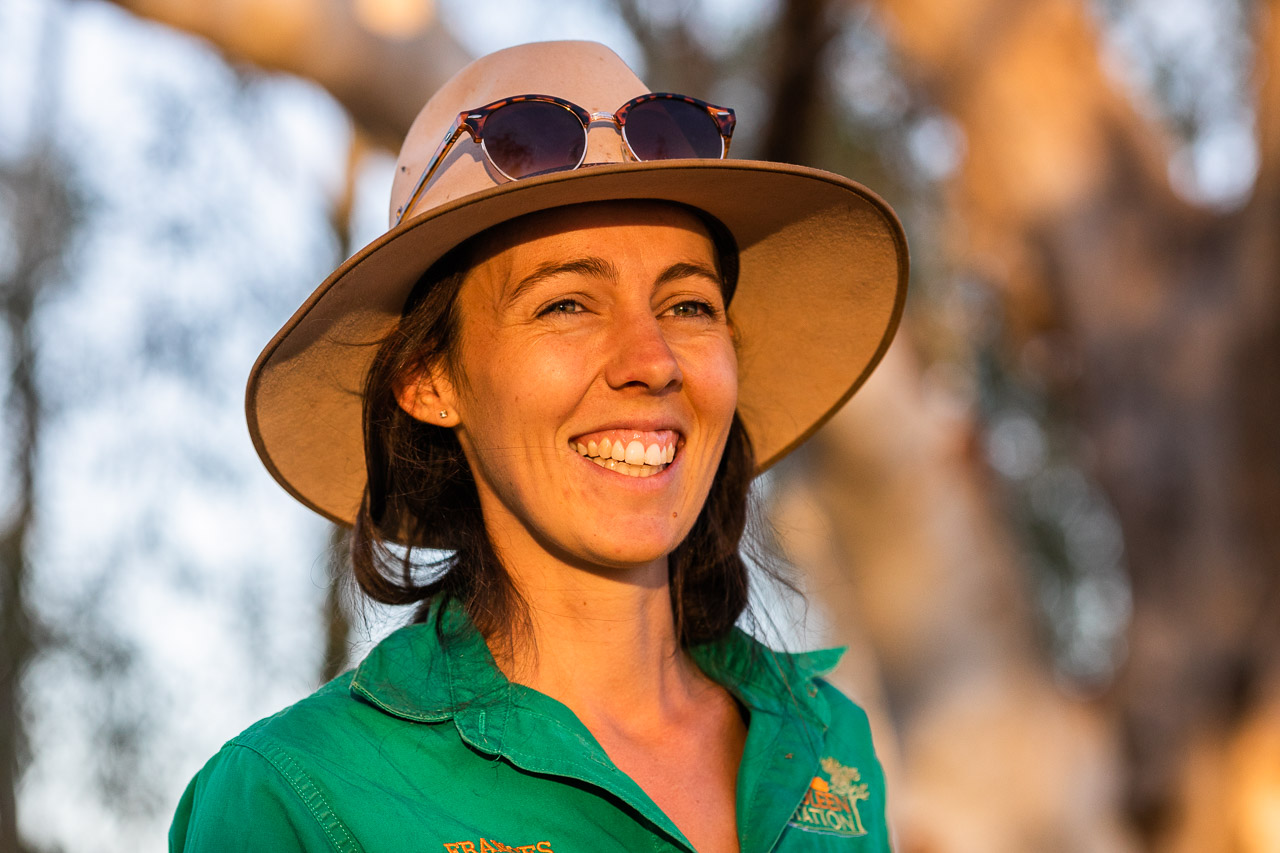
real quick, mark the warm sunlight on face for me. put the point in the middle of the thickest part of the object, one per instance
(598, 381)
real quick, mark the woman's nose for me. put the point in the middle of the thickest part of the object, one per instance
(640, 356)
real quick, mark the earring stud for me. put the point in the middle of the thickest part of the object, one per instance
(444, 413)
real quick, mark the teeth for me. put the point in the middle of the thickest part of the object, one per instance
(639, 470)
(635, 453)
(629, 458)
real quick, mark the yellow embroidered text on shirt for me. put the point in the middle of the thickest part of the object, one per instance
(489, 845)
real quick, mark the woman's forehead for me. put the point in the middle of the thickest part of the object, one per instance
(591, 233)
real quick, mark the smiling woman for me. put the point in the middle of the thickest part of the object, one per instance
(569, 402)
(594, 332)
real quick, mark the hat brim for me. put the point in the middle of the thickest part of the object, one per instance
(821, 288)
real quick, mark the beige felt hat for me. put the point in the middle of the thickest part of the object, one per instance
(822, 271)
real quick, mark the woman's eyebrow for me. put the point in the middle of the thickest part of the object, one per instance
(689, 269)
(597, 267)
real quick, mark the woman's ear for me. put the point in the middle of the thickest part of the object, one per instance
(426, 394)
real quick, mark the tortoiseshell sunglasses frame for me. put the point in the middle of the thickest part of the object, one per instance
(472, 121)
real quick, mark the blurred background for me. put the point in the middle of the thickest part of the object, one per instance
(1048, 528)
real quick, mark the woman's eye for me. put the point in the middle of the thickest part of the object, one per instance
(693, 308)
(564, 306)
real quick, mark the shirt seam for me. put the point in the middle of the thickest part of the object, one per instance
(310, 795)
(414, 715)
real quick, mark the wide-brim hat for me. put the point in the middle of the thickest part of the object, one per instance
(821, 283)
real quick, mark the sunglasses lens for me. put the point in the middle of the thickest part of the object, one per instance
(670, 129)
(532, 137)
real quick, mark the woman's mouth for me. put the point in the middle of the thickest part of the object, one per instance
(631, 452)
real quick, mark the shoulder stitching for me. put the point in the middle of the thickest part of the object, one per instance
(307, 791)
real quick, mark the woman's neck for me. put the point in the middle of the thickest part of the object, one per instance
(604, 644)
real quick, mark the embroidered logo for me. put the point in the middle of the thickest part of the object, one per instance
(489, 845)
(830, 806)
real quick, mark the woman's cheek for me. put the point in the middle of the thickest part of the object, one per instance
(722, 382)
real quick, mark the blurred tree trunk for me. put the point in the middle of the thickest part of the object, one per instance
(39, 236)
(18, 291)
(1170, 314)
(382, 79)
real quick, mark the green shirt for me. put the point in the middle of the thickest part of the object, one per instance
(426, 746)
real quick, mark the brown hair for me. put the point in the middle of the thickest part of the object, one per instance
(420, 482)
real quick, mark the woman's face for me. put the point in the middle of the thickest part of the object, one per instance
(594, 382)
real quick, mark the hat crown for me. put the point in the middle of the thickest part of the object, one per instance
(583, 72)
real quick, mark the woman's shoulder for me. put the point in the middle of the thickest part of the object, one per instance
(297, 779)
(306, 723)
(313, 726)
(257, 793)
(282, 783)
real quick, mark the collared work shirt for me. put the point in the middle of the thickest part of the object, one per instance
(427, 746)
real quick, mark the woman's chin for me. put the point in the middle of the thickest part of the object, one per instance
(624, 553)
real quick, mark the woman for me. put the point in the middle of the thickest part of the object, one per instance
(569, 403)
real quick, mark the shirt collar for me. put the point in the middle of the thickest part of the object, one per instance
(431, 671)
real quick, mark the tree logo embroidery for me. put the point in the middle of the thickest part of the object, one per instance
(830, 806)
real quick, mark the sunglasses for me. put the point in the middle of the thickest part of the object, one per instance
(529, 135)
